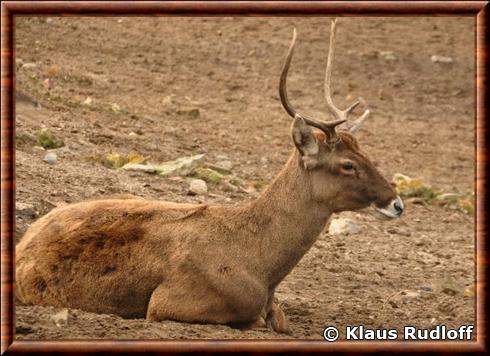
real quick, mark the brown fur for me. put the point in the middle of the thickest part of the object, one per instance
(193, 263)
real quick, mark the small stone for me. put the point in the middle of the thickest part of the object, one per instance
(181, 166)
(441, 59)
(343, 226)
(449, 290)
(87, 101)
(408, 187)
(388, 56)
(136, 158)
(198, 187)
(223, 167)
(114, 160)
(29, 65)
(115, 108)
(469, 291)
(139, 167)
(61, 318)
(208, 174)
(447, 198)
(407, 295)
(24, 209)
(191, 113)
(50, 158)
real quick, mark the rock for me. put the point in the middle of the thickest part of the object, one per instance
(198, 187)
(26, 210)
(191, 113)
(226, 164)
(449, 290)
(441, 59)
(408, 187)
(29, 66)
(115, 108)
(139, 167)
(236, 181)
(249, 190)
(87, 102)
(47, 139)
(343, 226)
(387, 55)
(466, 206)
(21, 328)
(407, 295)
(469, 291)
(221, 168)
(50, 158)
(181, 166)
(61, 318)
(136, 158)
(447, 198)
(114, 160)
(208, 174)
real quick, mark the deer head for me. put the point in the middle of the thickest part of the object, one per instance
(340, 174)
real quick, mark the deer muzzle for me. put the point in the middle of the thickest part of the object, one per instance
(393, 210)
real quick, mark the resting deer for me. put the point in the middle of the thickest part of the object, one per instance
(200, 263)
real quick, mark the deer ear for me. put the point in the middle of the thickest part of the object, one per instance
(305, 141)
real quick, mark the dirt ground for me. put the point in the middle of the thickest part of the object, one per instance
(158, 71)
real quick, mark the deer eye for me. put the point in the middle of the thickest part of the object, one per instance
(347, 166)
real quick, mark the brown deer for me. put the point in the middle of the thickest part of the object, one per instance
(200, 263)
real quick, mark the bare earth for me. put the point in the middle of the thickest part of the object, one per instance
(155, 69)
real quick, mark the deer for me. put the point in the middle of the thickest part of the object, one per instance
(201, 263)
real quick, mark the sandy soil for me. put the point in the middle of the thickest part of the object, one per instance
(412, 271)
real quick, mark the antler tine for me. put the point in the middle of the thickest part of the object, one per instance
(336, 112)
(328, 126)
(356, 124)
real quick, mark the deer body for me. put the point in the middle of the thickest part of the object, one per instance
(200, 263)
(110, 256)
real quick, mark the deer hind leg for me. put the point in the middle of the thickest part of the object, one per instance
(196, 305)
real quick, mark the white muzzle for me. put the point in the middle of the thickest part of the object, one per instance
(393, 210)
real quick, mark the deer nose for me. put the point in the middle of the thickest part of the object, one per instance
(394, 209)
(398, 205)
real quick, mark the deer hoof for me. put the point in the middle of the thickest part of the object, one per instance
(277, 320)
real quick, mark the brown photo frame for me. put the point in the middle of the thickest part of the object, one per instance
(11, 9)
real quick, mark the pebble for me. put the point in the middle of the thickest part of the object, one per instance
(343, 226)
(388, 55)
(139, 167)
(87, 101)
(441, 59)
(25, 209)
(61, 318)
(198, 187)
(29, 65)
(410, 295)
(50, 158)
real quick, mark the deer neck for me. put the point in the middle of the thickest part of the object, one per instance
(290, 220)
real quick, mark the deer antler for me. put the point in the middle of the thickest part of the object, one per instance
(340, 116)
(336, 112)
(326, 126)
